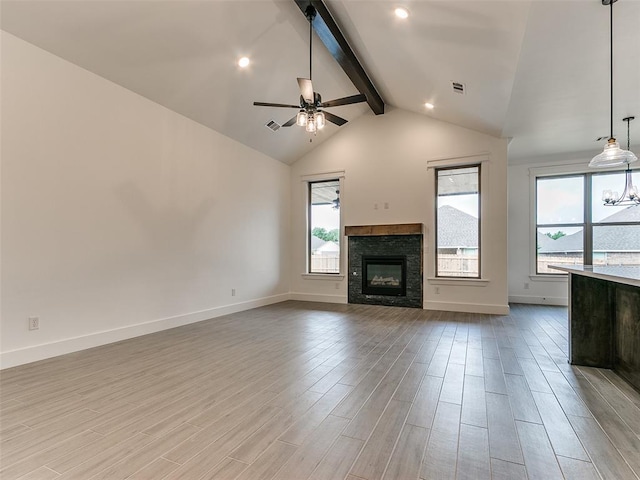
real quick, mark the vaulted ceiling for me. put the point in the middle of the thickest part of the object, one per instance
(536, 72)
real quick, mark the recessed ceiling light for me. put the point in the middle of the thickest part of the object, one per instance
(401, 13)
(244, 62)
(428, 105)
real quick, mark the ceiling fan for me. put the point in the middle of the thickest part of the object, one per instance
(310, 116)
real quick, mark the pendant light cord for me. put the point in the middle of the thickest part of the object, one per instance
(611, 52)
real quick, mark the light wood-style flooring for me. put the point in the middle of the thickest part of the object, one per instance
(299, 391)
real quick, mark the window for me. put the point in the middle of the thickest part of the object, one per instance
(458, 222)
(574, 227)
(560, 222)
(324, 226)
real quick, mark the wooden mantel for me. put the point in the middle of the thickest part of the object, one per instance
(394, 229)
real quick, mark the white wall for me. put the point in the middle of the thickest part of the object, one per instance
(121, 217)
(385, 160)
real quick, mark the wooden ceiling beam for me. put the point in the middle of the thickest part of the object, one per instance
(330, 34)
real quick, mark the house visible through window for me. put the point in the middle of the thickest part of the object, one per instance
(574, 227)
(458, 222)
(324, 226)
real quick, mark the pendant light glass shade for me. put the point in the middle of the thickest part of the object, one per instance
(311, 125)
(301, 118)
(612, 156)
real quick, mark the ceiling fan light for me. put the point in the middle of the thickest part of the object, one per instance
(320, 120)
(612, 156)
(311, 125)
(301, 118)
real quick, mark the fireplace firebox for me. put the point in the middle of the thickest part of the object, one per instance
(384, 275)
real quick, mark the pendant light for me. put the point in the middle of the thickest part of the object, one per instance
(612, 155)
(630, 195)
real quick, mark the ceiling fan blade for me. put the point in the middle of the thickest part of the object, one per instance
(334, 118)
(345, 101)
(306, 89)
(265, 104)
(290, 122)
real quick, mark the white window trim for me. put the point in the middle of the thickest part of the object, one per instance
(319, 177)
(445, 162)
(551, 277)
(471, 282)
(484, 159)
(324, 276)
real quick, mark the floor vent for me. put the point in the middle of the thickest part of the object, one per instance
(458, 87)
(271, 125)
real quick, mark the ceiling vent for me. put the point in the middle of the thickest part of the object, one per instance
(271, 125)
(458, 87)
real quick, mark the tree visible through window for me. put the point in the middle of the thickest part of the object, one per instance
(458, 222)
(324, 226)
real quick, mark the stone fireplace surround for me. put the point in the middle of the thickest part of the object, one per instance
(386, 240)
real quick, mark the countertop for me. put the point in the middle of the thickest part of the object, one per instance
(628, 275)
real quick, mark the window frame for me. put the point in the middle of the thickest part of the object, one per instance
(477, 165)
(307, 180)
(586, 218)
(588, 224)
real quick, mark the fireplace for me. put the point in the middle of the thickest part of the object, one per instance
(384, 275)
(385, 264)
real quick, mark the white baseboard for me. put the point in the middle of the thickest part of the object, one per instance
(315, 297)
(537, 300)
(468, 307)
(40, 352)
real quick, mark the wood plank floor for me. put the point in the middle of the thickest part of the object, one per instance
(299, 390)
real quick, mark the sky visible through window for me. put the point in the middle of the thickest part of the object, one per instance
(561, 200)
(465, 203)
(325, 216)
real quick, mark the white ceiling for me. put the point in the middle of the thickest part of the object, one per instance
(535, 71)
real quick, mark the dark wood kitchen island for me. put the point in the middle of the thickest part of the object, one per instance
(604, 318)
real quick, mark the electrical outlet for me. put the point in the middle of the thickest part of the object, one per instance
(526, 285)
(337, 286)
(233, 292)
(34, 323)
(375, 206)
(437, 290)
(386, 205)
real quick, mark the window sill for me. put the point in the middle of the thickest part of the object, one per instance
(552, 277)
(323, 276)
(472, 282)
